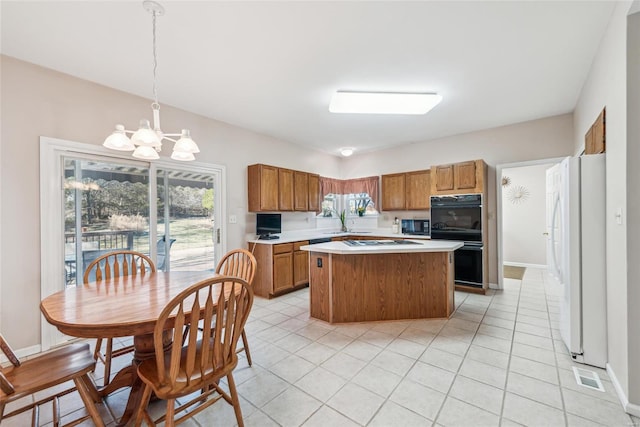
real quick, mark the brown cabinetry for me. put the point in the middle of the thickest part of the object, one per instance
(279, 189)
(285, 189)
(393, 192)
(458, 178)
(300, 264)
(418, 186)
(262, 188)
(595, 139)
(314, 192)
(280, 268)
(300, 191)
(406, 191)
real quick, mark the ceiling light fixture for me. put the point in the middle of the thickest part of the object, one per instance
(383, 102)
(346, 151)
(146, 142)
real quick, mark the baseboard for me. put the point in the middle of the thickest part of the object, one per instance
(630, 408)
(524, 264)
(494, 286)
(23, 352)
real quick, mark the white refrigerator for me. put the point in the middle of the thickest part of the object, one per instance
(576, 254)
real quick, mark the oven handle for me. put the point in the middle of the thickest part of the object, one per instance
(471, 248)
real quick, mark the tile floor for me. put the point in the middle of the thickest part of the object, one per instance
(497, 361)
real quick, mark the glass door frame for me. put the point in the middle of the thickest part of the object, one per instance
(52, 153)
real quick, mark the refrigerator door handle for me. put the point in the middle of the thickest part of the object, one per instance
(556, 206)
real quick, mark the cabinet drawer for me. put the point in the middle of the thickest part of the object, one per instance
(297, 245)
(282, 248)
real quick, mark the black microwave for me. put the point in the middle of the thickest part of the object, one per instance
(416, 226)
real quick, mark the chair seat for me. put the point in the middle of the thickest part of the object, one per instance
(35, 374)
(148, 372)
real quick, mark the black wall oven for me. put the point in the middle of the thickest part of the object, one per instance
(460, 218)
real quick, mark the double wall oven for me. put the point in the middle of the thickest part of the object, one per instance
(459, 218)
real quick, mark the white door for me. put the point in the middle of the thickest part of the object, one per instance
(554, 222)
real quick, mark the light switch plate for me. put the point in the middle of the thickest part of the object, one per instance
(233, 219)
(619, 216)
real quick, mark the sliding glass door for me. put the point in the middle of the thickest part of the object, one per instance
(93, 201)
(106, 208)
(186, 220)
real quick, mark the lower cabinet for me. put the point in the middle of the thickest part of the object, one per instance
(280, 268)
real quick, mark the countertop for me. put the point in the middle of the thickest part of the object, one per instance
(342, 248)
(296, 236)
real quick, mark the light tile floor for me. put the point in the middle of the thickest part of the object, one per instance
(498, 360)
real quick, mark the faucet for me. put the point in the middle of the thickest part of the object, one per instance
(351, 223)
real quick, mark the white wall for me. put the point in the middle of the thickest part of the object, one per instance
(606, 85)
(40, 102)
(524, 223)
(537, 139)
(633, 203)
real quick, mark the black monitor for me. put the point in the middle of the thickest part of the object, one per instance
(268, 224)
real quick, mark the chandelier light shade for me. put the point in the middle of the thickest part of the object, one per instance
(146, 142)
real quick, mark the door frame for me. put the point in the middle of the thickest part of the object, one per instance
(52, 151)
(499, 169)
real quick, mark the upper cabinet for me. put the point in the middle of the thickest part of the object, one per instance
(279, 189)
(458, 178)
(300, 191)
(285, 189)
(393, 192)
(418, 190)
(262, 188)
(406, 191)
(314, 192)
(595, 139)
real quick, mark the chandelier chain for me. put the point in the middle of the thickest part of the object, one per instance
(155, 61)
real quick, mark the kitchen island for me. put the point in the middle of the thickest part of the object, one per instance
(357, 281)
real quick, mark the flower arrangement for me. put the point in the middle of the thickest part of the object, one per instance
(343, 220)
(361, 207)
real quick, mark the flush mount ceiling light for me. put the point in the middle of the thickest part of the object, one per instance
(146, 142)
(346, 151)
(383, 102)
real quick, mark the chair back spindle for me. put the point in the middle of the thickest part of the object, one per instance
(222, 306)
(118, 263)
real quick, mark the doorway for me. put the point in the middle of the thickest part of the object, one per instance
(522, 216)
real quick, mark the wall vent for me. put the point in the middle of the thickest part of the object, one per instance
(589, 379)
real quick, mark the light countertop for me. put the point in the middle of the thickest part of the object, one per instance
(296, 236)
(342, 248)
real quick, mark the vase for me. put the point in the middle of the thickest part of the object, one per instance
(360, 213)
(344, 228)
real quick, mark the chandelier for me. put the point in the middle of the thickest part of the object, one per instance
(147, 142)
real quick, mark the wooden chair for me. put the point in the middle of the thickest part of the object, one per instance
(239, 263)
(114, 264)
(21, 379)
(222, 304)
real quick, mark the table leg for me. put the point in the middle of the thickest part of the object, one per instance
(144, 350)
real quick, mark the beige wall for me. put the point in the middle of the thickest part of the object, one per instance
(538, 139)
(40, 102)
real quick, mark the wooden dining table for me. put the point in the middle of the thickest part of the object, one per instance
(120, 307)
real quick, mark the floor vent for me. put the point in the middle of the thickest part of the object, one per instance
(589, 379)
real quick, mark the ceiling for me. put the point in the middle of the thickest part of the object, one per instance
(272, 67)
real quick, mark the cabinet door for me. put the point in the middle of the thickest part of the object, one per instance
(314, 193)
(599, 137)
(282, 271)
(285, 189)
(393, 192)
(300, 191)
(444, 177)
(300, 268)
(263, 188)
(465, 175)
(418, 190)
